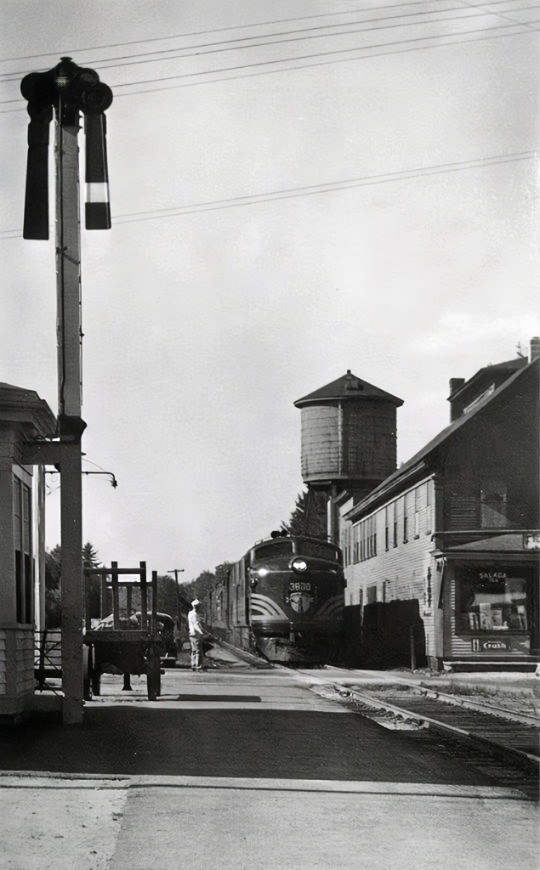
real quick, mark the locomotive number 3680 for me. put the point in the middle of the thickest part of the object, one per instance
(300, 587)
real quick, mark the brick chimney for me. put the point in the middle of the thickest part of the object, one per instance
(535, 348)
(455, 385)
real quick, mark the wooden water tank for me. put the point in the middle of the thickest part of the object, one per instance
(348, 433)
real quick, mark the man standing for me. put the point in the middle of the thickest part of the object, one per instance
(196, 634)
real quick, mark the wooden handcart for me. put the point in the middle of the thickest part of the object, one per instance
(126, 644)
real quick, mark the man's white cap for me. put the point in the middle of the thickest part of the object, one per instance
(195, 602)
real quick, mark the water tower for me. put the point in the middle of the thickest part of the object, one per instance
(348, 438)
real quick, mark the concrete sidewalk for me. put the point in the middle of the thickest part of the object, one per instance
(198, 822)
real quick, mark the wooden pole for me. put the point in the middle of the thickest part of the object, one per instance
(115, 595)
(68, 276)
(144, 597)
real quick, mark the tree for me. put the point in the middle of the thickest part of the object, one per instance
(53, 576)
(92, 581)
(199, 587)
(166, 597)
(53, 584)
(53, 567)
(90, 556)
(309, 516)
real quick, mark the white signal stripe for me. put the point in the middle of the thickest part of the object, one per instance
(97, 191)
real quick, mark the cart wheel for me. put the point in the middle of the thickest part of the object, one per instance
(87, 666)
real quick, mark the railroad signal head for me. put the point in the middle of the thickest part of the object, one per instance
(70, 89)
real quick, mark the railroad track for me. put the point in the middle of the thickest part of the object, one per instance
(515, 735)
(512, 733)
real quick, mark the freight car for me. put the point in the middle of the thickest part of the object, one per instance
(284, 600)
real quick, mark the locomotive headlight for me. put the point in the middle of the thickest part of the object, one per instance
(299, 565)
(256, 574)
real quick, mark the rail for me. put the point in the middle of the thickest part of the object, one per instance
(500, 729)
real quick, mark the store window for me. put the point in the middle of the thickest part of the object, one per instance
(493, 599)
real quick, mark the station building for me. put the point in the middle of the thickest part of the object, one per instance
(446, 547)
(24, 418)
(441, 555)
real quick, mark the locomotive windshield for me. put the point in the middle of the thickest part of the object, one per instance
(276, 548)
(318, 549)
(300, 546)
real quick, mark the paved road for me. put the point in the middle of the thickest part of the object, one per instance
(234, 768)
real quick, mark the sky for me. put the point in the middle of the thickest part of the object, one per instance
(298, 188)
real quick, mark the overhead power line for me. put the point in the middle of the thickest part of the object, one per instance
(328, 187)
(312, 56)
(310, 190)
(234, 44)
(221, 30)
(448, 41)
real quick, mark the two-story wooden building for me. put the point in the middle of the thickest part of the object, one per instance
(23, 417)
(441, 558)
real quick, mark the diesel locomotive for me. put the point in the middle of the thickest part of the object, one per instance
(284, 600)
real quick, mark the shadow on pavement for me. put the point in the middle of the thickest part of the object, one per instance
(240, 743)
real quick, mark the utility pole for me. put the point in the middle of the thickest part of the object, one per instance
(178, 631)
(176, 572)
(68, 89)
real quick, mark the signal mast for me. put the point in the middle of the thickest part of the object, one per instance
(65, 91)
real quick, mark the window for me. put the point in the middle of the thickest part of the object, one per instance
(493, 505)
(429, 507)
(371, 595)
(22, 538)
(386, 528)
(395, 524)
(493, 599)
(405, 520)
(417, 512)
(365, 539)
(356, 543)
(346, 544)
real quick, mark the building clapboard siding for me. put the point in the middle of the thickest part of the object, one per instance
(455, 531)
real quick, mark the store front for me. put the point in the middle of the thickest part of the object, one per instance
(490, 602)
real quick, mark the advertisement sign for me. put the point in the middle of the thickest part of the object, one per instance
(500, 645)
(490, 645)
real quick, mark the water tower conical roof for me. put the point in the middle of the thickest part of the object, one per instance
(347, 387)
